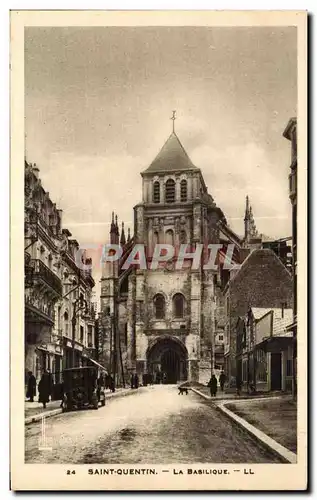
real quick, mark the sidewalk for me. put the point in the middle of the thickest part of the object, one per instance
(277, 419)
(269, 418)
(231, 394)
(34, 411)
(35, 408)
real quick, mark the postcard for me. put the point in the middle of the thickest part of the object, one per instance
(158, 250)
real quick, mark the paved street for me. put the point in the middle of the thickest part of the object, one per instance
(154, 425)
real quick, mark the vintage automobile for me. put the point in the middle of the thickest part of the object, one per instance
(81, 389)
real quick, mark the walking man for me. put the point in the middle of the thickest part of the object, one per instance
(212, 384)
(222, 380)
(31, 389)
(45, 388)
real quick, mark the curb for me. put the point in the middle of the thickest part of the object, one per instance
(57, 411)
(232, 400)
(39, 416)
(270, 444)
(200, 393)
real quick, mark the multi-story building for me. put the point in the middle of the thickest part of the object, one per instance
(54, 285)
(261, 281)
(75, 315)
(290, 133)
(264, 349)
(43, 284)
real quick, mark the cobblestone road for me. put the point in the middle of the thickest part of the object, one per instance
(154, 425)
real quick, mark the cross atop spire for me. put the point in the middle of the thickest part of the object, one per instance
(173, 118)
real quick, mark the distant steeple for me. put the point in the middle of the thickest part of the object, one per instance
(250, 230)
(122, 238)
(112, 230)
(129, 236)
(247, 208)
(117, 237)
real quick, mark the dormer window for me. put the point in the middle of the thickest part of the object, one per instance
(170, 191)
(183, 190)
(156, 192)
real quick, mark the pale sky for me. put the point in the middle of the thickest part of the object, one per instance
(98, 103)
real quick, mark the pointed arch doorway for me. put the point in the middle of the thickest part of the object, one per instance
(168, 355)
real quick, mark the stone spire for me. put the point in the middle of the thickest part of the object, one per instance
(112, 230)
(122, 238)
(117, 226)
(250, 230)
(129, 236)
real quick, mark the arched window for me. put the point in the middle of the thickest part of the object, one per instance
(156, 192)
(155, 238)
(169, 237)
(183, 190)
(183, 237)
(170, 191)
(66, 323)
(178, 305)
(159, 306)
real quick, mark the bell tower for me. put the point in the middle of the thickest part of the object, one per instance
(175, 305)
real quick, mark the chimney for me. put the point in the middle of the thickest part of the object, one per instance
(283, 307)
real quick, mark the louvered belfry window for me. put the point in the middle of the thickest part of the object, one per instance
(159, 306)
(183, 190)
(156, 192)
(170, 191)
(178, 305)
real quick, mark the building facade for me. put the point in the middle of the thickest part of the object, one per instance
(163, 318)
(290, 133)
(264, 349)
(262, 281)
(53, 284)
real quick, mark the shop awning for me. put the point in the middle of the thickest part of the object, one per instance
(42, 348)
(99, 365)
(275, 343)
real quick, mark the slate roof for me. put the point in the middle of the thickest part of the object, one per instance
(171, 157)
(280, 323)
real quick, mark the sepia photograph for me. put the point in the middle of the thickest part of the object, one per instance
(160, 321)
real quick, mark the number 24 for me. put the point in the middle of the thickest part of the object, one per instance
(71, 472)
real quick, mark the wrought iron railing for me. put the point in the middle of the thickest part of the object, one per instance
(41, 271)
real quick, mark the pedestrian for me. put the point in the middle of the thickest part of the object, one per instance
(31, 389)
(212, 384)
(99, 386)
(62, 393)
(222, 380)
(136, 381)
(112, 384)
(132, 380)
(238, 385)
(45, 388)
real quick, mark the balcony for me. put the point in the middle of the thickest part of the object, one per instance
(41, 273)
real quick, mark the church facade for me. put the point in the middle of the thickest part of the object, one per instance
(166, 319)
